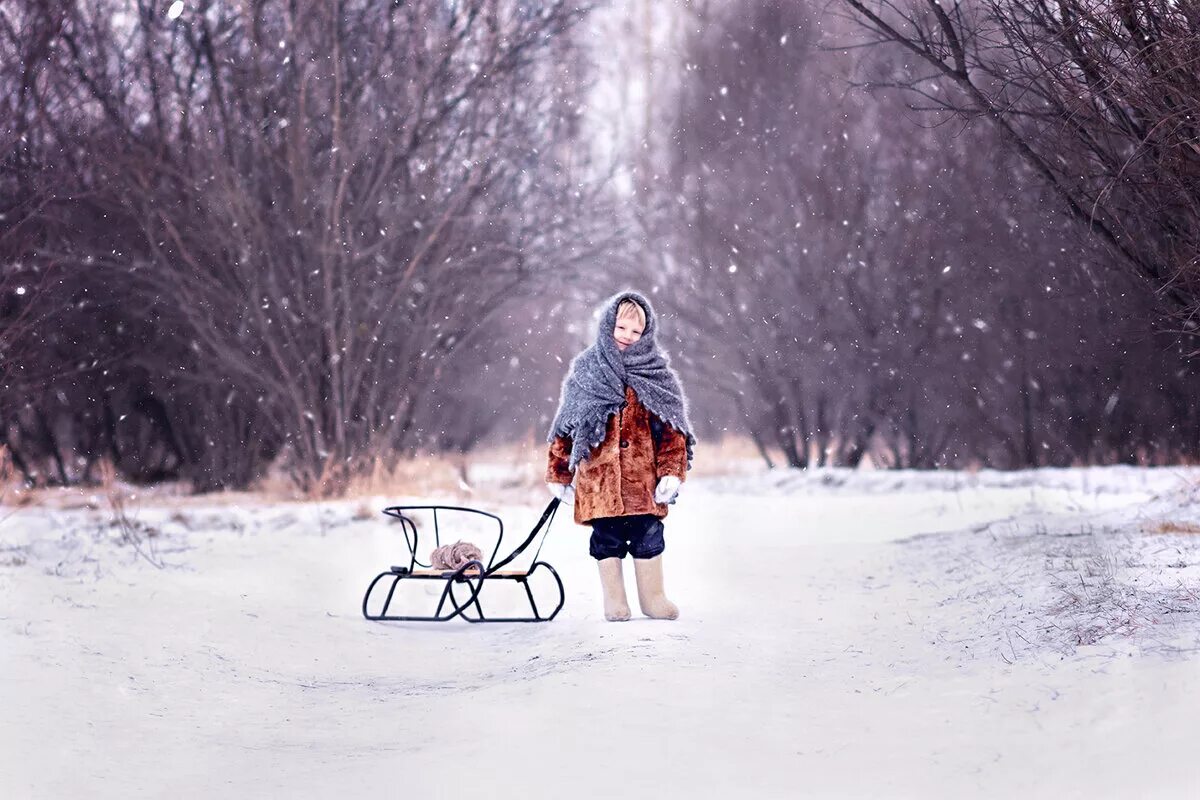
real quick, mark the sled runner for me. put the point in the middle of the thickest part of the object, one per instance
(463, 588)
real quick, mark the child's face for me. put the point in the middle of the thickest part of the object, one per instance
(627, 331)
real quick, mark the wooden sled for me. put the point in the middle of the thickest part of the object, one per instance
(471, 579)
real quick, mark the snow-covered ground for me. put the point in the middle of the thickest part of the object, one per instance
(1032, 634)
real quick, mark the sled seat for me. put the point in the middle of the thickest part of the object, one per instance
(475, 575)
(449, 573)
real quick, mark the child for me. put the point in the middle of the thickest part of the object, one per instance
(622, 432)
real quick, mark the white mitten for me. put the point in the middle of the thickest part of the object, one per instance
(668, 489)
(563, 491)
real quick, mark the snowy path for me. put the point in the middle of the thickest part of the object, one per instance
(853, 642)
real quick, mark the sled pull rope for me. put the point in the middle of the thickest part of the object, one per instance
(547, 515)
(548, 519)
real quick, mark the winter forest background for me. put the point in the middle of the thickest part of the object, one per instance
(316, 237)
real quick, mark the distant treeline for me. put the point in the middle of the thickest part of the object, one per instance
(315, 236)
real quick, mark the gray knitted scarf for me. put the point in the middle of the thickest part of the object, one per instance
(594, 389)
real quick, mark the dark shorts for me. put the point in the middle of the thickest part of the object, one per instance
(639, 535)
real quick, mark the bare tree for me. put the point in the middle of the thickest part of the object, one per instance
(316, 206)
(860, 283)
(1100, 99)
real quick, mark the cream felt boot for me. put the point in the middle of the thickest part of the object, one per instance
(654, 603)
(616, 606)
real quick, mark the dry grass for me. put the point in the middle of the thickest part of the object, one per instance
(136, 534)
(510, 471)
(1124, 588)
(1169, 526)
(12, 492)
(1093, 604)
(1101, 596)
(495, 471)
(512, 468)
(730, 455)
(423, 475)
(7, 484)
(420, 475)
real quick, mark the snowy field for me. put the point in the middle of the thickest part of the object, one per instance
(842, 635)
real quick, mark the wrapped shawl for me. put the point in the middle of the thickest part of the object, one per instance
(594, 388)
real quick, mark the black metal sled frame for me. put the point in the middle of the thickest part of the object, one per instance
(471, 578)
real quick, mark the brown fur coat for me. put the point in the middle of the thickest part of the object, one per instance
(618, 477)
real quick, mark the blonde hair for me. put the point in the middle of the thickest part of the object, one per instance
(632, 308)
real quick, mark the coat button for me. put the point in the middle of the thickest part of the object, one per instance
(624, 443)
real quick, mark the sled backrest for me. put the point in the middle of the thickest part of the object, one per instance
(410, 527)
(412, 540)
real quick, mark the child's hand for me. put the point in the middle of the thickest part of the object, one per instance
(563, 491)
(668, 489)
